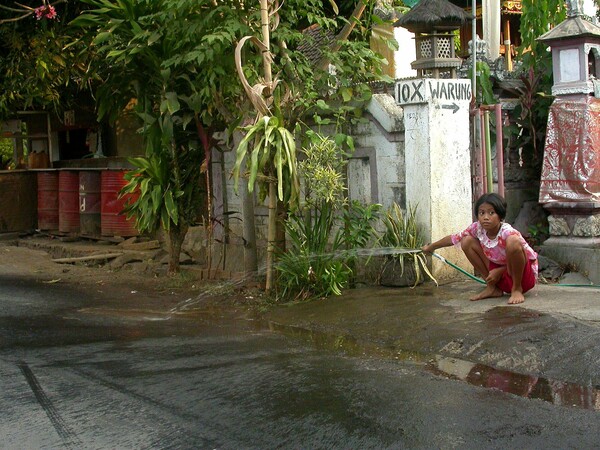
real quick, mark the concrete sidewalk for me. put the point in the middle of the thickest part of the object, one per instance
(551, 339)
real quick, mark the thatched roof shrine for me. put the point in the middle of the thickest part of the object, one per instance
(431, 15)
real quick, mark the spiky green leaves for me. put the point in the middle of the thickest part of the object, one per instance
(269, 150)
(403, 232)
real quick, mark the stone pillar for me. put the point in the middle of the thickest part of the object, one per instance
(438, 160)
(491, 26)
(570, 183)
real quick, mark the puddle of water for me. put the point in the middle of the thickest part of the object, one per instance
(345, 343)
(523, 385)
(130, 314)
(506, 316)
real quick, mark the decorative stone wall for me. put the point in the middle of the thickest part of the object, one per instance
(574, 226)
(376, 175)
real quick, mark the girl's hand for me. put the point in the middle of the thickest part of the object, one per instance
(495, 275)
(428, 248)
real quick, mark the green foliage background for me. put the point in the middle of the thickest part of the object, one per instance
(6, 153)
(40, 66)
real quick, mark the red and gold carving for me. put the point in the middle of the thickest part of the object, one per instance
(512, 7)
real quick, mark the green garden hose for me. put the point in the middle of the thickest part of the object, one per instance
(460, 269)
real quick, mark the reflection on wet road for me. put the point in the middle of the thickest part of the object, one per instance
(77, 375)
(523, 385)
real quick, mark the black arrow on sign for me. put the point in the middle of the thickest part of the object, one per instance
(454, 107)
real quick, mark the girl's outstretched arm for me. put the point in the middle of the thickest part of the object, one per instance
(443, 242)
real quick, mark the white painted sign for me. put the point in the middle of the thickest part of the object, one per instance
(425, 89)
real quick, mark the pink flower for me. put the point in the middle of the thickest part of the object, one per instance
(39, 12)
(45, 12)
(50, 12)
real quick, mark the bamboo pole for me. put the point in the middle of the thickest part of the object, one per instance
(474, 49)
(488, 152)
(499, 149)
(272, 224)
(507, 44)
(266, 38)
(484, 170)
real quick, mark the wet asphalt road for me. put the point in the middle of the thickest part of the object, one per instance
(77, 374)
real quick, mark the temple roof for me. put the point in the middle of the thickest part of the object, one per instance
(433, 14)
(571, 27)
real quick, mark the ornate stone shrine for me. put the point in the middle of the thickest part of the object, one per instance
(570, 180)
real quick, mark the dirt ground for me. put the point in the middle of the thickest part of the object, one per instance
(143, 284)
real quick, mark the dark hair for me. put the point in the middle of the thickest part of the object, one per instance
(497, 202)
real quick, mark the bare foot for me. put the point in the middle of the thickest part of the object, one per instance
(516, 297)
(488, 292)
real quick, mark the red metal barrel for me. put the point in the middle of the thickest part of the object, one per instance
(47, 205)
(113, 223)
(68, 201)
(89, 203)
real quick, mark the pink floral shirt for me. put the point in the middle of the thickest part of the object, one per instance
(495, 249)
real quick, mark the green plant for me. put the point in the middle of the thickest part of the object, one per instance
(269, 149)
(528, 121)
(538, 233)
(402, 232)
(40, 65)
(315, 265)
(167, 186)
(6, 154)
(326, 232)
(311, 268)
(485, 92)
(174, 73)
(190, 52)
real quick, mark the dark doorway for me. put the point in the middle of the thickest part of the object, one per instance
(73, 143)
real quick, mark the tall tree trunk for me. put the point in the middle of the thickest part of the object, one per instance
(176, 236)
(176, 232)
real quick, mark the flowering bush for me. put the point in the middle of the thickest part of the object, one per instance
(45, 12)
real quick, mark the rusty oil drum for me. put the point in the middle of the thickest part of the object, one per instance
(18, 201)
(113, 222)
(68, 201)
(47, 204)
(89, 203)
